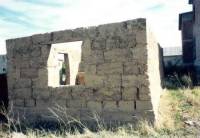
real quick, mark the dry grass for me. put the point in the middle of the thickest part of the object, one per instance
(176, 108)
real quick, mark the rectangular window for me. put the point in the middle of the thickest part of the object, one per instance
(63, 63)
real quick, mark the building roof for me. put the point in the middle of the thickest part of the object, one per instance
(183, 17)
(172, 51)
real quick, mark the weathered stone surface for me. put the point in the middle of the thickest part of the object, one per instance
(18, 102)
(129, 93)
(141, 36)
(41, 38)
(118, 55)
(129, 80)
(109, 68)
(98, 44)
(110, 116)
(110, 106)
(62, 93)
(94, 57)
(143, 105)
(21, 93)
(30, 102)
(95, 106)
(91, 69)
(23, 42)
(112, 81)
(131, 68)
(41, 93)
(127, 106)
(94, 80)
(29, 73)
(62, 36)
(76, 104)
(22, 83)
(139, 53)
(82, 93)
(108, 94)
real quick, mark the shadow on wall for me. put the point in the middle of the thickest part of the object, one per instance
(63, 63)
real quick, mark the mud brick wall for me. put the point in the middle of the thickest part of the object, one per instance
(121, 66)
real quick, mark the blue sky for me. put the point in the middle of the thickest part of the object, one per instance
(26, 17)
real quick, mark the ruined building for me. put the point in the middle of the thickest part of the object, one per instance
(189, 24)
(112, 70)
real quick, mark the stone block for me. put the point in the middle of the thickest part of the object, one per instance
(118, 55)
(78, 34)
(141, 36)
(147, 115)
(30, 102)
(112, 81)
(37, 63)
(18, 102)
(86, 48)
(142, 68)
(45, 103)
(94, 80)
(10, 44)
(29, 73)
(35, 52)
(139, 53)
(94, 106)
(109, 68)
(82, 93)
(129, 81)
(95, 57)
(62, 93)
(110, 106)
(126, 106)
(98, 44)
(108, 94)
(144, 96)
(22, 83)
(21, 93)
(143, 80)
(62, 36)
(119, 42)
(116, 116)
(81, 67)
(129, 93)
(21, 62)
(144, 89)
(45, 51)
(131, 68)
(42, 38)
(143, 105)
(41, 93)
(41, 82)
(90, 69)
(23, 42)
(76, 104)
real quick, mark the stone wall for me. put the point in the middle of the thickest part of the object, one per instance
(120, 62)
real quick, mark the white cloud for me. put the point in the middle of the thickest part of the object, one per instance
(161, 14)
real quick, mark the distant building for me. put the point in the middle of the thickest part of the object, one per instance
(189, 24)
(3, 62)
(172, 56)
